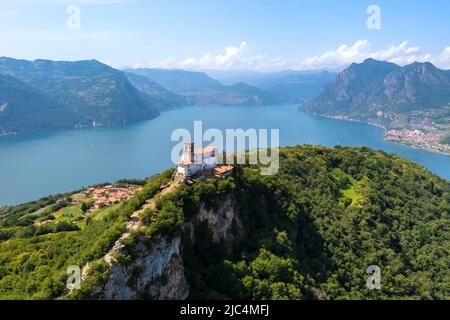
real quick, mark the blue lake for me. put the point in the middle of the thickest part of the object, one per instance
(39, 164)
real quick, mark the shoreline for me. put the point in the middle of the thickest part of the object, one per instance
(386, 136)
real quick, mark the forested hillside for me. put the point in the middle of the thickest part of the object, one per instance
(23, 108)
(90, 92)
(311, 231)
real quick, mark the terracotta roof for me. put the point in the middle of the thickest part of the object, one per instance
(223, 169)
(205, 150)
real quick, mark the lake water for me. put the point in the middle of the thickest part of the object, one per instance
(39, 164)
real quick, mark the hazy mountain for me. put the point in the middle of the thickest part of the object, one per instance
(290, 86)
(90, 89)
(155, 94)
(229, 78)
(177, 80)
(200, 90)
(377, 91)
(240, 94)
(297, 87)
(23, 108)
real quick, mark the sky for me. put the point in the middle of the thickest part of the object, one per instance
(228, 35)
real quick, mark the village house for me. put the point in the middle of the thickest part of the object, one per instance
(110, 195)
(223, 171)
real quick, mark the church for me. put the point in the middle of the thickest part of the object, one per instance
(196, 161)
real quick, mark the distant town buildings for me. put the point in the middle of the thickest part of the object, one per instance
(111, 195)
(426, 138)
(106, 196)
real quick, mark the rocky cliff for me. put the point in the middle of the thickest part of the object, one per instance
(223, 221)
(379, 91)
(154, 269)
(155, 273)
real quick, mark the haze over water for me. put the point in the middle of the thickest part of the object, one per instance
(38, 164)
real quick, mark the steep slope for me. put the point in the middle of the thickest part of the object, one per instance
(95, 92)
(378, 91)
(356, 90)
(308, 232)
(24, 109)
(412, 102)
(418, 85)
(154, 94)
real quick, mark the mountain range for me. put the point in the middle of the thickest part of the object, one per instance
(155, 94)
(177, 80)
(43, 94)
(382, 92)
(68, 94)
(198, 89)
(291, 87)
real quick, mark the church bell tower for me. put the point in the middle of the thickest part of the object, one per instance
(188, 152)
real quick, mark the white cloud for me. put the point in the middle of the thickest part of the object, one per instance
(233, 58)
(241, 58)
(443, 60)
(231, 55)
(361, 50)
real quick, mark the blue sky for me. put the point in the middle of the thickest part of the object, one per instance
(261, 35)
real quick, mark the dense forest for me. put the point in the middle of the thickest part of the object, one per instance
(308, 232)
(313, 229)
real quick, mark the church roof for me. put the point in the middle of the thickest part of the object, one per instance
(205, 150)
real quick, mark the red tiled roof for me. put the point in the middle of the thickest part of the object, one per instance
(223, 169)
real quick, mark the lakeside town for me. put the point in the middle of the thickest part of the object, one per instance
(427, 130)
(423, 129)
(427, 138)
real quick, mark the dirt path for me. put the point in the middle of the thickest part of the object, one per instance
(152, 202)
